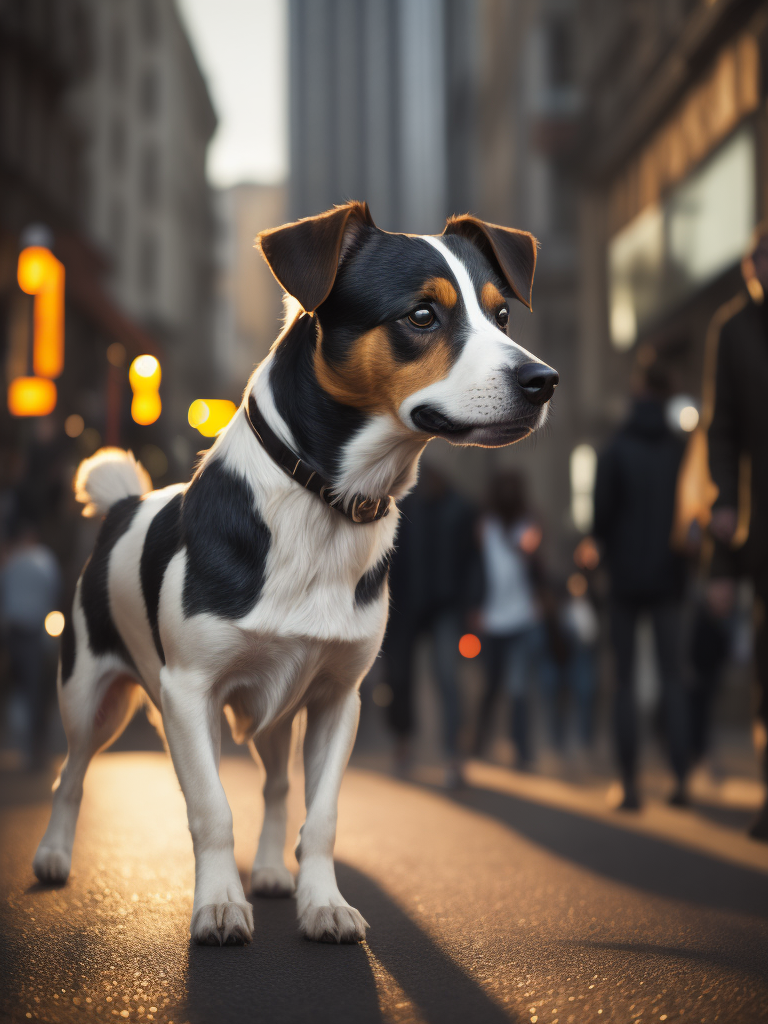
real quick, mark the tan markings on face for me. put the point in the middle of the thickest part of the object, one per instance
(373, 380)
(491, 297)
(441, 290)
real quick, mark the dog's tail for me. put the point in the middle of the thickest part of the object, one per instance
(108, 476)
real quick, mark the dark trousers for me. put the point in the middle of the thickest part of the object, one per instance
(666, 618)
(403, 633)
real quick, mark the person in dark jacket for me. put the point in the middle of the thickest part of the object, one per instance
(738, 460)
(433, 582)
(634, 509)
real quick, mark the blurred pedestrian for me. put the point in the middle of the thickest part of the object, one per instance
(738, 460)
(30, 584)
(634, 510)
(511, 617)
(433, 583)
(569, 682)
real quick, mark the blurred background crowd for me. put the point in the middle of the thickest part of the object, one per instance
(571, 605)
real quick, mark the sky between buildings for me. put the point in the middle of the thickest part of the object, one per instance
(241, 46)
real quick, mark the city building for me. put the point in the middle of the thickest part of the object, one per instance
(673, 161)
(148, 119)
(248, 304)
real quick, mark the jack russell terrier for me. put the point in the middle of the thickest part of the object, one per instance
(260, 587)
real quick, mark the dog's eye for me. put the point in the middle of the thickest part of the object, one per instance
(422, 316)
(502, 316)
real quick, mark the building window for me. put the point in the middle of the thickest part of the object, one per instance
(117, 143)
(149, 20)
(118, 57)
(701, 227)
(150, 176)
(148, 264)
(149, 93)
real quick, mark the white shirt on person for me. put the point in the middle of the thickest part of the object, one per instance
(510, 604)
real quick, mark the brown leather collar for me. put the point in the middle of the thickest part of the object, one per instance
(361, 509)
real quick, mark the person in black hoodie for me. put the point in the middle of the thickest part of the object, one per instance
(738, 461)
(634, 509)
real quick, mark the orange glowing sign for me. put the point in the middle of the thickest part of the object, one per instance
(210, 415)
(31, 396)
(144, 376)
(40, 274)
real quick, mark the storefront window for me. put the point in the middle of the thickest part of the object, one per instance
(677, 246)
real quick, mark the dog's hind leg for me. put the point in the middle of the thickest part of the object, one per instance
(324, 914)
(96, 703)
(269, 875)
(221, 915)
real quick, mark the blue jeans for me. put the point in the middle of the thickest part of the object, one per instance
(511, 661)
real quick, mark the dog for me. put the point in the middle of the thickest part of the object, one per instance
(260, 587)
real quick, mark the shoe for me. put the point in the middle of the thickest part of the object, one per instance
(759, 827)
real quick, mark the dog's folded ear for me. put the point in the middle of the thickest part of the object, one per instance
(513, 251)
(304, 256)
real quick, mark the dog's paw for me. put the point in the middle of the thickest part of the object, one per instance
(272, 881)
(51, 866)
(332, 924)
(222, 924)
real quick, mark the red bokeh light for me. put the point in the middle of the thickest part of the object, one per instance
(469, 646)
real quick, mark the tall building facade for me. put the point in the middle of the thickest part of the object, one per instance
(248, 306)
(149, 120)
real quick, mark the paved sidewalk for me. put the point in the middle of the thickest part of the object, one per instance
(516, 899)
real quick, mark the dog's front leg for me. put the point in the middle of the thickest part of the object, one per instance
(221, 914)
(324, 914)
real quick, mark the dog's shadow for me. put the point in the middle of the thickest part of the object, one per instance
(281, 977)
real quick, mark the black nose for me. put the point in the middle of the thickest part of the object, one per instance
(537, 382)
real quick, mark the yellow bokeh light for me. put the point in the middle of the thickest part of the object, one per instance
(144, 373)
(34, 268)
(210, 415)
(39, 273)
(198, 413)
(144, 376)
(146, 407)
(54, 623)
(31, 396)
(74, 425)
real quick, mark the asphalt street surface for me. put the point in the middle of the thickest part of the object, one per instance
(511, 900)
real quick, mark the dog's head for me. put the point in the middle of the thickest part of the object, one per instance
(416, 326)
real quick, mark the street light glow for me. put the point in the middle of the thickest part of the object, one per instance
(689, 418)
(54, 623)
(31, 396)
(39, 273)
(210, 415)
(144, 377)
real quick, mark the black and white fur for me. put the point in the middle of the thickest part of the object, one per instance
(241, 590)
